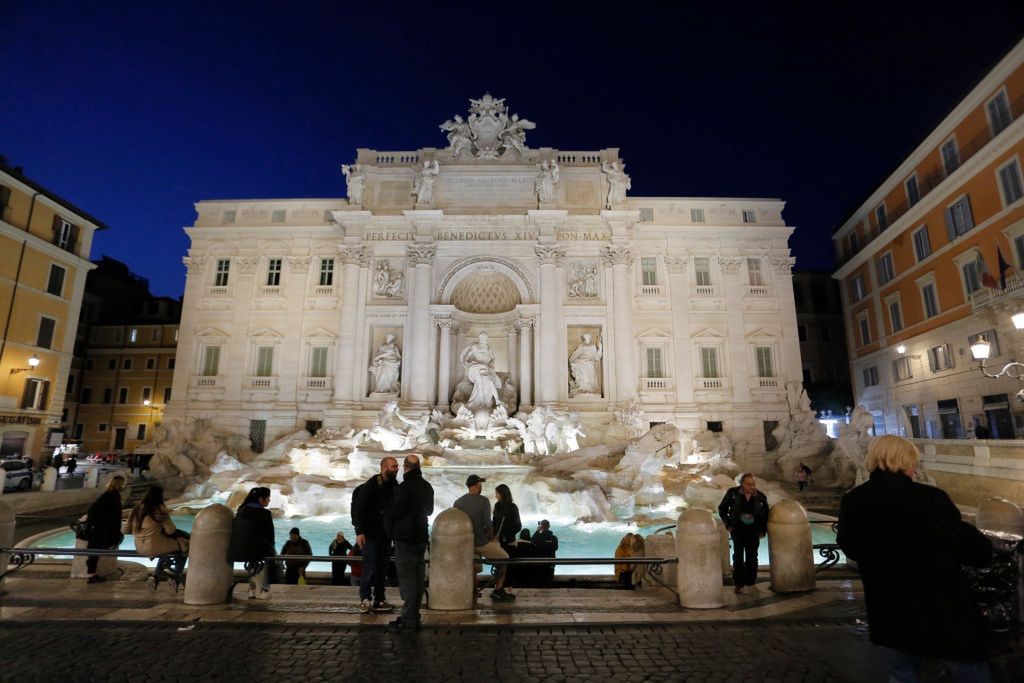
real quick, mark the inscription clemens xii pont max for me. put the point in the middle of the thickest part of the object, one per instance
(508, 189)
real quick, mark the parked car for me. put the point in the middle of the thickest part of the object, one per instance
(19, 475)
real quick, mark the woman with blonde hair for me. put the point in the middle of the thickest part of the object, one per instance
(628, 574)
(910, 544)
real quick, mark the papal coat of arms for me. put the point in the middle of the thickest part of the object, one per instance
(489, 132)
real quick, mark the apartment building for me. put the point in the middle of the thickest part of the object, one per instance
(931, 261)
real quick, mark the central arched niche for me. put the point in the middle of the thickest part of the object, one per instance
(485, 290)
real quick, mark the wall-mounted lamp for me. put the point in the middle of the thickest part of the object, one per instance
(33, 362)
(146, 402)
(902, 350)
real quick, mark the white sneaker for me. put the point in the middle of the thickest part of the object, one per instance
(264, 594)
(252, 593)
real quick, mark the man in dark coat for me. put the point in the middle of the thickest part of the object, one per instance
(744, 510)
(909, 543)
(545, 544)
(370, 503)
(413, 503)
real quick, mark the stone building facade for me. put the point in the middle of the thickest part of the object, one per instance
(318, 312)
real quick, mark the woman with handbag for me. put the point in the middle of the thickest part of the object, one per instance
(156, 536)
(252, 539)
(103, 522)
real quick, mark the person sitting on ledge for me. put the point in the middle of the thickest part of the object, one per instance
(156, 535)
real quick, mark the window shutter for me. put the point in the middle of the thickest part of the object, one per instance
(933, 364)
(72, 238)
(950, 228)
(56, 228)
(26, 394)
(968, 217)
(44, 390)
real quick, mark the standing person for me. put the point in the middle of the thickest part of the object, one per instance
(252, 539)
(744, 510)
(339, 548)
(801, 476)
(370, 503)
(546, 545)
(413, 504)
(295, 545)
(910, 545)
(104, 523)
(505, 521)
(155, 535)
(485, 544)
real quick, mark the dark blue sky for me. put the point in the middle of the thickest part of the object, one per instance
(135, 110)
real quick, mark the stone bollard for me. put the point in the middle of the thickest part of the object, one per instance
(698, 546)
(1000, 515)
(723, 534)
(209, 574)
(789, 539)
(3, 479)
(452, 580)
(92, 478)
(49, 479)
(661, 545)
(6, 535)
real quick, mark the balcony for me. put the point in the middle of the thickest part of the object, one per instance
(316, 389)
(985, 297)
(270, 290)
(705, 291)
(216, 291)
(761, 386)
(650, 290)
(323, 290)
(261, 382)
(206, 388)
(756, 292)
(656, 384)
(207, 381)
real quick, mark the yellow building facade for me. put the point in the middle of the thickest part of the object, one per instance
(933, 259)
(44, 259)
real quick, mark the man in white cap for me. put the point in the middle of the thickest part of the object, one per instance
(478, 508)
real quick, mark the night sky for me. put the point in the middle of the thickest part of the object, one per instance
(134, 112)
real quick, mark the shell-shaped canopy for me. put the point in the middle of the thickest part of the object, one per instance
(486, 291)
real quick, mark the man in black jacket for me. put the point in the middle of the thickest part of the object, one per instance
(744, 510)
(910, 543)
(370, 503)
(413, 503)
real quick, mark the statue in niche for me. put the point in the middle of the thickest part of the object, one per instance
(478, 360)
(618, 183)
(583, 366)
(547, 178)
(386, 367)
(484, 397)
(355, 182)
(388, 284)
(460, 137)
(423, 187)
(583, 281)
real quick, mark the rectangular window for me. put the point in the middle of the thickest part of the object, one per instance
(649, 269)
(229, 216)
(913, 191)
(709, 361)
(696, 215)
(857, 287)
(749, 216)
(950, 156)
(1010, 183)
(36, 392)
(902, 369)
(999, 115)
(883, 221)
(801, 332)
(133, 335)
(111, 364)
(865, 330)
(991, 337)
(959, 218)
(940, 358)
(972, 278)
(211, 360)
(86, 395)
(71, 385)
(64, 234)
(264, 361)
(274, 272)
(654, 367)
(318, 362)
(895, 316)
(122, 395)
(167, 394)
(151, 363)
(156, 335)
(754, 275)
(170, 363)
(277, 216)
(223, 269)
(931, 301)
(55, 283)
(326, 272)
(127, 363)
(702, 271)
(854, 243)
(44, 339)
(870, 376)
(140, 435)
(108, 395)
(764, 361)
(886, 271)
(102, 427)
(922, 246)
(146, 391)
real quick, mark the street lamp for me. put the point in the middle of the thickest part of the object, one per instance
(982, 347)
(33, 363)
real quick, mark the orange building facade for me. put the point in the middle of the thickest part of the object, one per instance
(933, 259)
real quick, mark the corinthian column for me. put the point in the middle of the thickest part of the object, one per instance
(525, 327)
(417, 345)
(348, 372)
(550, 258)
(444, 369)
(620, 260)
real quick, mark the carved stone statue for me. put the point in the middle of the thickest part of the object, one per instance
(386, 367)
(583, 366)
(513, 137)
(618, 183)
(386, 283)
(478, 361)
(583, 281)
(394, 431)
(460, 137)
(355, 182)
(547, 178)
(489, 132)
(423, 187)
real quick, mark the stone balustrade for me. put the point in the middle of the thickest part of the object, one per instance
(973, 470)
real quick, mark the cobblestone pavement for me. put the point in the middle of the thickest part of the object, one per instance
(796, 650)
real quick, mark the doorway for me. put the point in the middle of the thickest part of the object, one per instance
(119, 434)
(949, 416)
(997, 411)
(914, 420)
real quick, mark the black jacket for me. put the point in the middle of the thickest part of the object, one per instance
(545, 543)
(729, 510)
(370, 503)
(412, 504)
(104, 520)
(909, 543)
(506, 522)
(252, 534)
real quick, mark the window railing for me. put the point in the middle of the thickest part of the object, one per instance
(270, 290)
(261, 382)
(655, 384)
(318, 383)
(765, 382)
(756, 292)
(323, 290)
(650, 290)
(217, 291)
(710, 383)
(206, 381)
(986, 296)
(705, 290)
(930, 179)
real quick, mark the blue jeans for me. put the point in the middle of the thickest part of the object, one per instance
(905, 667)
(376, 553)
